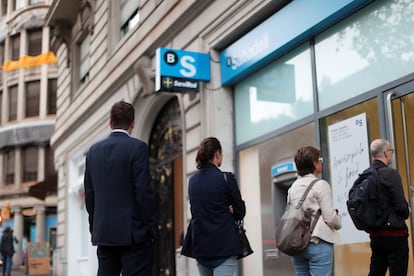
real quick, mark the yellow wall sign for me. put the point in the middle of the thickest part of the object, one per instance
(29, 61)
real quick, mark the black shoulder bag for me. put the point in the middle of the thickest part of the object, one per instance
(245, 244)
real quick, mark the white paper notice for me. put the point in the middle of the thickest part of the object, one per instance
(349, 156)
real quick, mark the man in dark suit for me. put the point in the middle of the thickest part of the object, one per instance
(120, 199)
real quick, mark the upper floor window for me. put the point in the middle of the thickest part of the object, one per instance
(34, 42)
(32, 99)
(30, 160)
(51, 96)
(84, 62)
(15, 47)
(129, 15)
(1, 53)
(1, 104)
(18, 4)
(49, 163)
(13, 103)
(9, 158)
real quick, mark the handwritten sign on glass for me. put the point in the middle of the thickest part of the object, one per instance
(348, 156)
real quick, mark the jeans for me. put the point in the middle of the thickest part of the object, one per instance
(225, 269)
(7, 264)
(389, 252)
(315, 260)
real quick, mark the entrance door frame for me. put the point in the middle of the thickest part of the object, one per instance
(389, 97)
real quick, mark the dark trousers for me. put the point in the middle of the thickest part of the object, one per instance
(389, 252)
(135, 260)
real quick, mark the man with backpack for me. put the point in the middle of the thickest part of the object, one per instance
(389, 244)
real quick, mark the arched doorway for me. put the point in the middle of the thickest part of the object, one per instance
(165, 146)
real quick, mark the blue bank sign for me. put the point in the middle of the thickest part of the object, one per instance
(280, 33)
(283, 168)
(178, 70)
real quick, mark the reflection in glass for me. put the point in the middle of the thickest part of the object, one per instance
(369, 49)
(275, 96)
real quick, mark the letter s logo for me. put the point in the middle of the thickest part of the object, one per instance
(187, 63)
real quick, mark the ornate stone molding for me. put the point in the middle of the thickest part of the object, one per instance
(86, 15)
(62, 35)
(143, 69)
(28, 22)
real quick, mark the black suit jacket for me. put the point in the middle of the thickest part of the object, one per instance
(211, 232)
(392, 183)
(119, 195)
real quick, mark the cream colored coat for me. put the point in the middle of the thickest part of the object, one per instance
(319, 197)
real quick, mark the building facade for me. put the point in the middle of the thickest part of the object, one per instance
(28, 85)
(283, 74)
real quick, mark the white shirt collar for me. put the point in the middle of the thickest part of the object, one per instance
(120, 130)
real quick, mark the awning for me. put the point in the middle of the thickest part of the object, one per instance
(26, 133)
(44, 188)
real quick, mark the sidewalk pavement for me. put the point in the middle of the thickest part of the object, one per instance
(20, 271)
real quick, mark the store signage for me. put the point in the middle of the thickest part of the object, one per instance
(279, 33)
(283, 168)
(172, 84)
(348, 146)
(180, 71)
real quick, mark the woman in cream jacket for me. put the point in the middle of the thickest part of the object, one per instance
(317, 258)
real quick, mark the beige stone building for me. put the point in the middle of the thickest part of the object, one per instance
(106, 52)
(28, 84)
(283, 74)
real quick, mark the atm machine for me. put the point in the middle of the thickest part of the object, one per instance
(283, 175)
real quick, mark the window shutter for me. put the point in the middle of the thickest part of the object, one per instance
(10, 167)
(84, 57)
(15, 47)
(1, 103)
(32, 98)
(13, 103)
(35, 42)
(30, 164)
(51, 96)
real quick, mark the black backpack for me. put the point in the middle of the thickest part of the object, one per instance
(367, 203)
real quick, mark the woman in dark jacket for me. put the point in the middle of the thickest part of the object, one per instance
(7, 250)
(216, 202)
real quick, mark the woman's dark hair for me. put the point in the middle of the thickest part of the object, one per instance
(122, 115)
(205, 154)
(304, 159)
(8, 229)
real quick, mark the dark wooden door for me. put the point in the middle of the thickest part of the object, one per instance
(166, 169)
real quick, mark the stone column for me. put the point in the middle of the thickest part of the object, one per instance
(40, 223)
(18, 232)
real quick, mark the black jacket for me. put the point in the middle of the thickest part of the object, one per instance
(119, 195)
(211, 232)
(7, 246)
(393, 188)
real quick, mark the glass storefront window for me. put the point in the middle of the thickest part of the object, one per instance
(353, 254)
(275, 96)
(371, 48)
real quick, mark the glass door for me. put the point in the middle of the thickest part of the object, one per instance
(400, 122)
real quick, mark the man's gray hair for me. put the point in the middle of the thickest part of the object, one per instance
(378, 146)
